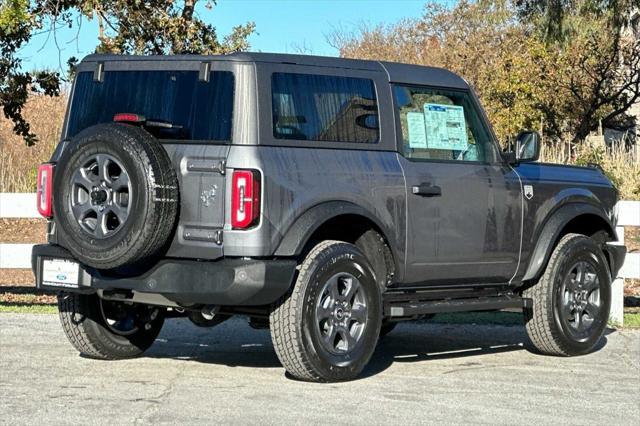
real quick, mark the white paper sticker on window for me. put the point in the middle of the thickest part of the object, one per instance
(416, 129)
(445, 127)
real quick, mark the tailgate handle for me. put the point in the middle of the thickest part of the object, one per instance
(206, 166)
(427, 190)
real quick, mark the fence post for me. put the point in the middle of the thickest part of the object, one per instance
(616, 316)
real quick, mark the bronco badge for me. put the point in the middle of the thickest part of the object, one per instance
(528, 192)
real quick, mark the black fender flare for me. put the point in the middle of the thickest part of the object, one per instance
(297, 236)
(552, 230)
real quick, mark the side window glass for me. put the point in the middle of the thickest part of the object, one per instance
(324, 108)
(442, 125)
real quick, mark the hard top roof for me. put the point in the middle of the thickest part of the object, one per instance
(396, 72)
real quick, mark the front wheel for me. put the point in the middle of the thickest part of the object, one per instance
(326, 328)
(571, 302)
(103, 329)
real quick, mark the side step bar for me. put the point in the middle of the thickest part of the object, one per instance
(408, 309)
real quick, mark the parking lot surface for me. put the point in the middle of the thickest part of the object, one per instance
(420, 373)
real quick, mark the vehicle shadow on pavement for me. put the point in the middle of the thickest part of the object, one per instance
(232, 343)
(426, 342)
(235, 344)
(430, 342)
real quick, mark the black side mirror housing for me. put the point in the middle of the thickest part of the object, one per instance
(528, 146)
(526, 149)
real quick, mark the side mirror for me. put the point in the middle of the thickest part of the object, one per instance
(527, 146)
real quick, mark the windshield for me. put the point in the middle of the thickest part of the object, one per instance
(203, 110)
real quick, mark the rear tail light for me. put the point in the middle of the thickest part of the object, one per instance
(45, 190)
(127, 117)
(245, 199)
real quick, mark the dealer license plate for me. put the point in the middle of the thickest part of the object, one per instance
(60, 273)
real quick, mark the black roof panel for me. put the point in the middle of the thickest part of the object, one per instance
(396, 72)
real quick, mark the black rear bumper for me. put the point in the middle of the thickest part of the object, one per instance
(228, 282)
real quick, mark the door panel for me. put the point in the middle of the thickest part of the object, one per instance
(464, 207)
(470, 231)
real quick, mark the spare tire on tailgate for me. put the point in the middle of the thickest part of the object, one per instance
(115, 196)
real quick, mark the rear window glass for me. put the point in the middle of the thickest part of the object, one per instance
(202, 109)
(324, 108)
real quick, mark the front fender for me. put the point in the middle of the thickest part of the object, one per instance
(552, 230)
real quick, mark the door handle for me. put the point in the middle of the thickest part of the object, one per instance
(426, 190)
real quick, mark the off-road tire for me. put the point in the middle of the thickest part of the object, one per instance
(85, 327)
(547, 331)
(153, 204)
(291, 319)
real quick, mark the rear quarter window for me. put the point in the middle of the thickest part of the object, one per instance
(324, 108)
(204, 110)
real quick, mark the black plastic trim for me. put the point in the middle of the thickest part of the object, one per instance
(297, 236)
(552, 230)
(228, 281)
(615, 254)
(456, 305)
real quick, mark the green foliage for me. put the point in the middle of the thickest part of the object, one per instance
(559, 20)
(125, 26)
(598, 156)
(160, 27)
(13, 15)
(591, 156)
(632, 320)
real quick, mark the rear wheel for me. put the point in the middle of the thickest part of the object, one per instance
(104, 329)
(571, 302)
(326, 329)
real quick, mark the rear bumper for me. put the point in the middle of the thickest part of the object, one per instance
(616, 255)
(228, 282)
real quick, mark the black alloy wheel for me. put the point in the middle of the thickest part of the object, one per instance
(579, 300)
(100, 194)
(341, 313)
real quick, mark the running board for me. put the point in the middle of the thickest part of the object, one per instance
(408, 309)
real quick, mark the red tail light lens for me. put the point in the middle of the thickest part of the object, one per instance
(127, 117)
(45, 190)
(245, 199)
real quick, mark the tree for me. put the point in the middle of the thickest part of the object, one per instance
(480, 41)
(524, 72)
(16, 25)
(600, 61)
(125, 26)
(555, 19)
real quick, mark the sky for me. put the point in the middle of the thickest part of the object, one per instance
(282, 26)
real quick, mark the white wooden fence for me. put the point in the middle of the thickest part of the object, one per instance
(24, 206)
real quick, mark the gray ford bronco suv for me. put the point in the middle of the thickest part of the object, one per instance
(326, 199)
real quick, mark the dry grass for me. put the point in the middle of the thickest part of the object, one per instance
(26, 299)
(23, 231)
(18, 162)
(16, 277)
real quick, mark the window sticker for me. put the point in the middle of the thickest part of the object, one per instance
(445, 127)
(416, 129)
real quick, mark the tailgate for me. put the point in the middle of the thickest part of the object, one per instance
(201, 177)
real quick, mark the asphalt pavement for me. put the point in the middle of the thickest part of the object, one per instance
(419, 374)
